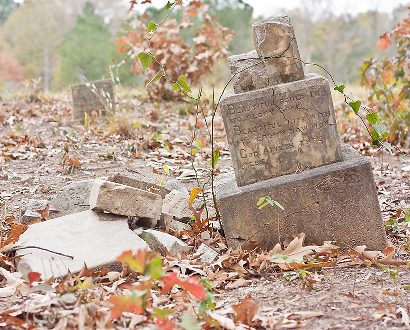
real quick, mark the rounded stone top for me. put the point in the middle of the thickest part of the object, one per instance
(277, 20)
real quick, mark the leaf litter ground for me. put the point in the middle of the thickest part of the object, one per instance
(40, 151)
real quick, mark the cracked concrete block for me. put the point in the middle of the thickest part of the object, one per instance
(249, 72)
(106, 196)
(176, 204)
(72, 198)
(139, 184)
(281, 129)
(336, 202)
(276, 44)
(206, 254)
(81, 235)
(86, 101)
(164, 243)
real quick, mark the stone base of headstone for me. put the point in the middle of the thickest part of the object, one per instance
(85, 100)
(336, 202)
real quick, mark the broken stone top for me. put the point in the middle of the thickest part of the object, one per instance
(278, 54)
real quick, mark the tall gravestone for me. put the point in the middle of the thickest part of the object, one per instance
(284, 143)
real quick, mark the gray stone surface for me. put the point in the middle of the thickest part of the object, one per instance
(281, 129)
(85, 100)
(81, 235)
(206, 254)
(164, 243)
(276, 44)
(176, 204)
(169, 222)
(29, 208)
(336, 202)
(139, 184)
(72, 198)
(249, 71)
(111, 197)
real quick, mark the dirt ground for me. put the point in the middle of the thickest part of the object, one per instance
(33, 137)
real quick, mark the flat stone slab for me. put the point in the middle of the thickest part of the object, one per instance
(81, 235)
(85, 100)
(72, 198)
(276, 44)
(336, 202)
(281, 129)
(115, 198)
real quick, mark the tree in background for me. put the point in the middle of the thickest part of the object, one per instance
(86, 50)
(6, 8)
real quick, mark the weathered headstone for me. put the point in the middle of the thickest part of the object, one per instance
(284, 144)
(80, 235)
(275, 43)
(72, 198)
(281, 129)
(94, 96)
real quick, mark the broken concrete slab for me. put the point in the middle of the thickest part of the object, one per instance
(81, 235)
(205, 254)
(164, 243)
(276, 44)
(30, 207)
(139, 184)
(72, 198)
(336, 202)
(106, 196)
(176, 204)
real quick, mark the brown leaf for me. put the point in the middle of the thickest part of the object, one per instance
(246, 310)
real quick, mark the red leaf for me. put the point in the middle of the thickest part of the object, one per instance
(33, 277)
(191, 285)
(121, 304)
(246, 310)
(383, 42)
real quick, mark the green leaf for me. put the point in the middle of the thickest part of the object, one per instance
(355, 106)
(152, 27)
(387, 146)
(169, 5)
(260, 201)
(206, 304)
(215, 158)
(183, 84)
(373, 118)
(157, 77)
(155, 268)
(340, 88)
(381, 130)
(146, 60)
(263, 205)
(279, 205)
(175, 87)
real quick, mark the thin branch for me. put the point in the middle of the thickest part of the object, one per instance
(39, 248)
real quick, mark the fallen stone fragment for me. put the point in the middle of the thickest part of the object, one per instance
(168, 221)
(249, 72)
(164, 243)
(176, 204)
(72, 198)
(206, 254)
(139, 184)
(81, 235)
(276, 44)
(106, 196)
